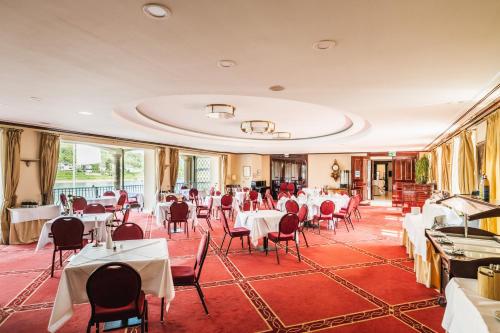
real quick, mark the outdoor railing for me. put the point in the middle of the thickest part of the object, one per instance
(200, 186)
(93, 191)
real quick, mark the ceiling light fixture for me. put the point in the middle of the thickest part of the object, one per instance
(156, 11)
(85, 113)
(282, 135)
(324, 44)
(220, 111)
(276, 88)
(258, 127)
(226, 63)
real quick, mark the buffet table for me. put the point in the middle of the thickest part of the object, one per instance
(149, 257)
(260, 223)
(466, 311)
(418, 247)
(90, 221)
(27, 223)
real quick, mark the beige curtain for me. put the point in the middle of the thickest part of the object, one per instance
(161, 166)
(49, 157)
(434, 166)
(174, 166)
(466, 164)
(223, 172)
(492, 167)
(446, 167)
(11, 180)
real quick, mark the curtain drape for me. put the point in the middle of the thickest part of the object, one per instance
(174, 166)
(223, 172)
(492, 166)
(161, 167)
(446, 167)
(434, 166)
(466, 164)
(49, 157)
(11, 180)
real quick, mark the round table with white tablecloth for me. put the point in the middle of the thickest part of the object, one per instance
(240, 197)
(260, 223)
(163, 208)
(314, 204)
(104, 200)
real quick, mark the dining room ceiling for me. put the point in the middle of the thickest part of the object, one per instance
(396, 74)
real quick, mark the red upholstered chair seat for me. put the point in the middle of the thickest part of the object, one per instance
(274, 237)
(339, 215)
(323, 217)
(237, 232)
(183, 275)
(103, 314)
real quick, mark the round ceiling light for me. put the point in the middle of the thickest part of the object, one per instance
(85, 113)
(156, 11)
(258, 127)
(276, 88)
(220, 111)
(282, 135)
(226, 63)
(324, 44)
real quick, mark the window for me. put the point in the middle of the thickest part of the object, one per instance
(90, 170)
(200, 172)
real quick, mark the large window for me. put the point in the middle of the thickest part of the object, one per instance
(201, 172)
(90, 170)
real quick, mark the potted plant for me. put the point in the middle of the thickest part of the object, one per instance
(422, 170)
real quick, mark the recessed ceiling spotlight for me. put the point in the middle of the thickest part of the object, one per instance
(220, 111)
(226, 63)
(282, 135)
(276, 88)
(85, 113)
(35, 98)
(324, 44)
(156, 11)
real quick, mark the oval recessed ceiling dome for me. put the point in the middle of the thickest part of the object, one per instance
(155, 10)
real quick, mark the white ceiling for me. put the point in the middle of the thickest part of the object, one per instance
(402, 71)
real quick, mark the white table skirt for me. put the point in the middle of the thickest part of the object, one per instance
(313, 205)
(163, 208)
(149, 257)
(217, 202)
(89, 221)
(19, 215)
(466, 311)
(105, 200)
(260, 223)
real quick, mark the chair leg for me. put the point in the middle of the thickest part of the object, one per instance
(53, 260)
(97, 327)
(248, 243)
(162, 308)
(169, 231)
(345, 222)
(146, 319)
(303, 234)
(277, 256)
(202, 297)
(297, 247)
(223, 239)
(89, 326)
(286, 247)
(350, 222)
(60, 258)
(208, 222)
(266, 243)
(227, 250)
(241, 238)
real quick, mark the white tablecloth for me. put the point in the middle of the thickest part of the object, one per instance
(105, 200)
(309, 191)
(185, 193)
(48, 212)
(314, 204)
(163, 208)
(415, 225)
(148, 256)
(217, 203)
(260, 223)
(88, 220)
(466, 311)
(240, 197)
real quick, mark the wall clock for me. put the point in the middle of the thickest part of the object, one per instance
(335, 170)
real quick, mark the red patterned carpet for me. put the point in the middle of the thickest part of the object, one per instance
(358, 281)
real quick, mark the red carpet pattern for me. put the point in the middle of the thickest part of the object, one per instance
(357, 281)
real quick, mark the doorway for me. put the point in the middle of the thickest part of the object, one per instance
(381, 182)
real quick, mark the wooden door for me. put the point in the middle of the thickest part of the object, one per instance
(360, 175)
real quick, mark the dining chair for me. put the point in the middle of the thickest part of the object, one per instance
(131, 201)
(290, 188)
(79, 204)
(67, 233)
(127, 231)
(217, 193)
(193, 196)
(303, 211)
(64, 200)
(253, 196)
(115, 293)
(326, 210)
(94, 208)
(234, 233)
(178, 214)
(205, 212)
(120, 205)
(246, 206)
(270, 201)
(226, 204)
(345, 215)
(283, 195)
(171, 198)
(287, 231)
(292, 206)
(300, 192)
(109, 194)
(189, 275)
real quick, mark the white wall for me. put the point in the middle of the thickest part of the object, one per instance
(29, 184)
